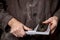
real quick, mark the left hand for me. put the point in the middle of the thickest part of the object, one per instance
(53, 21)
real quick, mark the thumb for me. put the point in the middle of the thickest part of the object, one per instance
(47, 21)
(26, 28)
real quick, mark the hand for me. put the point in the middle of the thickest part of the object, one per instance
(17, 28)
(53, 21)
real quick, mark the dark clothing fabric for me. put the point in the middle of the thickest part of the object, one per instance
(30, 12)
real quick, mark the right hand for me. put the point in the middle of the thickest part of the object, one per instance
(17, 28)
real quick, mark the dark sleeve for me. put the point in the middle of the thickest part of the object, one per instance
(57, 14)
(4, 16)
(4, 19)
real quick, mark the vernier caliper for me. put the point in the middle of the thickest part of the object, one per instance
(34, 32)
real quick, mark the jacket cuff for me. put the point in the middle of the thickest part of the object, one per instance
(5, 21)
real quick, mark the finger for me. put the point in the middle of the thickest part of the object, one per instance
(22, 32)
(47, 21)
(18, 33)
(53, 25)
(26, 28)
(53, 30)
(14, 34)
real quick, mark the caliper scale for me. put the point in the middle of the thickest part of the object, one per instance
(35, 32)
